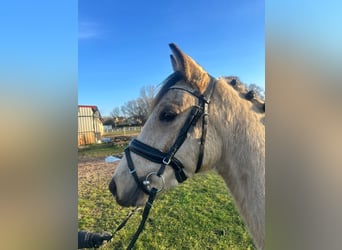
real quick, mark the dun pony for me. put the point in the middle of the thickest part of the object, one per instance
(228, 136)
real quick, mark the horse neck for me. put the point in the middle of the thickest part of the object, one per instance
(242, 164)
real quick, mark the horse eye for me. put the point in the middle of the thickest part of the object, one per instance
(167, 115)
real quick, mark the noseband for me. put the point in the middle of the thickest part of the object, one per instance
(168, 158)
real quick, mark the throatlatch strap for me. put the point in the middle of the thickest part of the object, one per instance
(201, 149)
(206, 100)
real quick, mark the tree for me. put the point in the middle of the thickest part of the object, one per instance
(146, 97)
(257, 89)
(131, 109)
(115, 113)
(140, 108)
(108, 121)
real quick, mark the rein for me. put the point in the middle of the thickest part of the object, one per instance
(168, 158)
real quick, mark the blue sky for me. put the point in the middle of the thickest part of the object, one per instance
(123, 45)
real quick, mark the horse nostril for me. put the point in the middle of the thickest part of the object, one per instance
(112, 187)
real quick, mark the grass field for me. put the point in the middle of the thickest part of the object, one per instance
(198, 214)
(101, 150)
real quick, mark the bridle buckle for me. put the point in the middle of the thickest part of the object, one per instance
(166, 160)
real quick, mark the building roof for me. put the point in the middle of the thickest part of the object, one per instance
(88, 106)
(94, 109)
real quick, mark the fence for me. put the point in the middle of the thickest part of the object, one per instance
(124, 130)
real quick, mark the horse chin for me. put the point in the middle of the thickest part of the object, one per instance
(137, 199)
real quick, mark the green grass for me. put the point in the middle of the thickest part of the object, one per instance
(198, 214)
(101, 150)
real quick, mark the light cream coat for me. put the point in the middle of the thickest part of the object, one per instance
(235, 144)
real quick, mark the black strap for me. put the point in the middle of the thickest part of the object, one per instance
(133, 172)
(193, 117)
(123, 223)
(205, 104)
(203, 107)
(203, 138)
(145, 214)
(147, 209)
(157, 156)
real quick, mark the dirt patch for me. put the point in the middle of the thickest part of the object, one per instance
(89, 166)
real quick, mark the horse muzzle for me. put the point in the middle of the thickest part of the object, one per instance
(123, 198)
(137, 197)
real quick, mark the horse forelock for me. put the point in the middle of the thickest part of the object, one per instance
(166, 85)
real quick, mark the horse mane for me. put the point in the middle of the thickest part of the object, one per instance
(234, 81)
(250, 95)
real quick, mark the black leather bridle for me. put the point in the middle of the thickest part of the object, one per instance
(168, 158)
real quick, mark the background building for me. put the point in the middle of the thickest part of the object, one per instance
(90, 127)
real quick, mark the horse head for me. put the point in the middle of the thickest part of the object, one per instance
(175, 141)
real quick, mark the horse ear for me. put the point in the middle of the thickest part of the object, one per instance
(174, 63)
(192, 72)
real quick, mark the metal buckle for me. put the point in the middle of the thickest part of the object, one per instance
(166, 160)
(147, 182)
